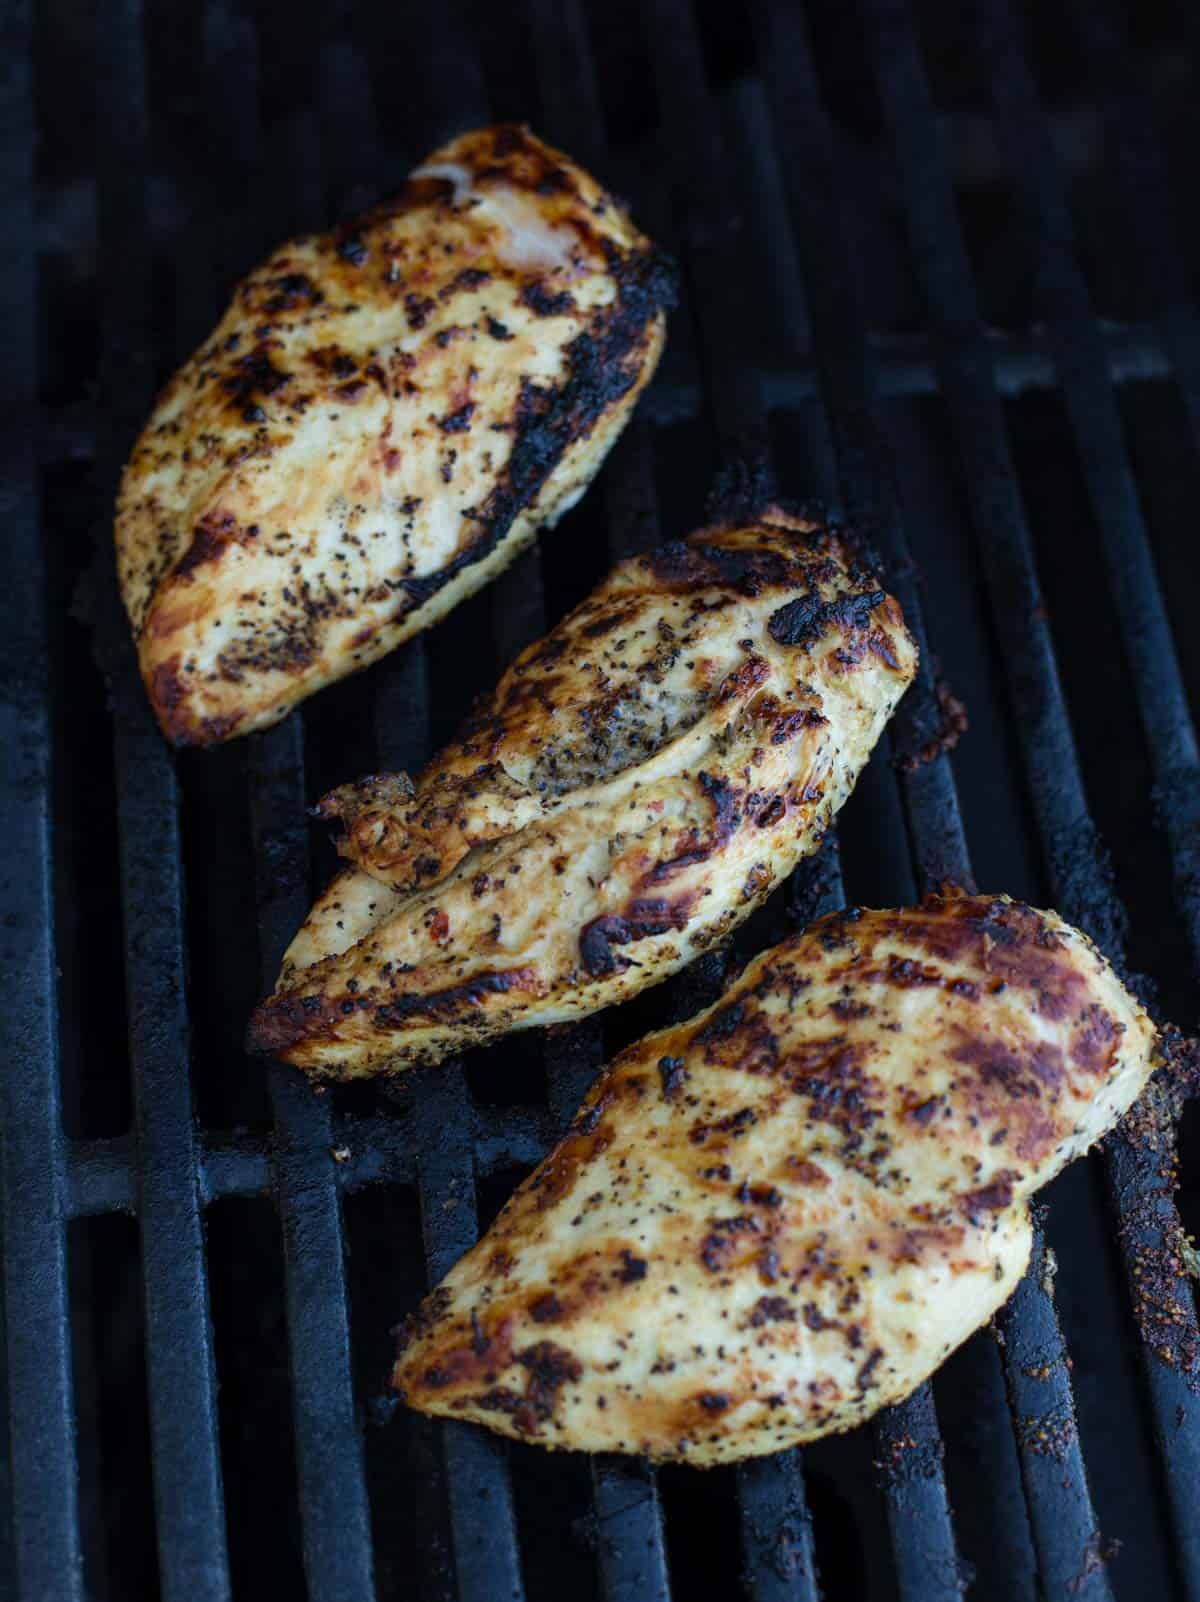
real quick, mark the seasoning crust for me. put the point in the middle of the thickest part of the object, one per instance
(638, 782)
(384, 417)
(770, 1221)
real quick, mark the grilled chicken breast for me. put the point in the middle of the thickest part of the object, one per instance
(770, 1221)
(639, 781)
(380, 422)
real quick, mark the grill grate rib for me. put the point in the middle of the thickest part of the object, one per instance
(764, 151)
(477, 1477)
(333, 1501)
(1037, 1373)
(188, 1493)
(45, 1502)
(193, 1561)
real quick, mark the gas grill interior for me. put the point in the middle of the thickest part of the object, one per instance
(939, 270)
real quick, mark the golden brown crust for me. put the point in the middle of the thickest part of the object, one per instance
(383, 418)
(638, 783)
(647, 657)
(775, 1218)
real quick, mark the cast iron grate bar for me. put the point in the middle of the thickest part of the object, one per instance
(102, 1175)
(1142, 1198)
(193, 1562)
(780, 1563)
(45, 1510)
(1037, 1376)
(336, 1527)
(1074, 855)
(478, 1483)
(189, 1506)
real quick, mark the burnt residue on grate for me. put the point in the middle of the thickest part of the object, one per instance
(1161, 1256)
(951, 724)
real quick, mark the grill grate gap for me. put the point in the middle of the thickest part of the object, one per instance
(245, 1251)
(96, 1089)
(107, 1340)
(230, 1093)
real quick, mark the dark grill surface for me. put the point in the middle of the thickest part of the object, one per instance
(939, 268)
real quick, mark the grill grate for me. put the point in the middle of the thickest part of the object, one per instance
(218, 131)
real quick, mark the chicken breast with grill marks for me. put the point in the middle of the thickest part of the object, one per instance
(382, 420)
(772, 1220)
(638, 783)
